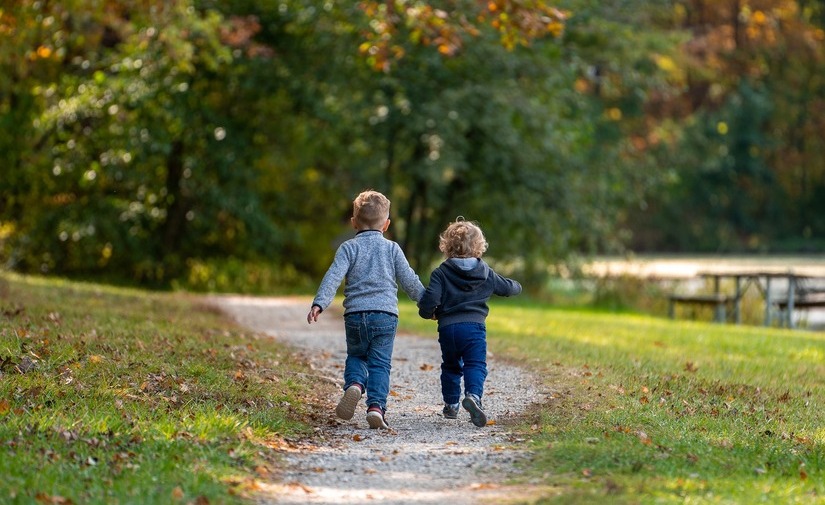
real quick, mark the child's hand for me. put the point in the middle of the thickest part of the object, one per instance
(314, 312)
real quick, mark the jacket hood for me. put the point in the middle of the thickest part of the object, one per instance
(472, 278)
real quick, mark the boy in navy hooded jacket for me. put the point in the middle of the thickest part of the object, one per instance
(457, 297)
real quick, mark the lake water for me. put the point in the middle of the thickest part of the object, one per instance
(683, 267)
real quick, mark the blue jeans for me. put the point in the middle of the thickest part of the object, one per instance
(370, 337)
(463, 353)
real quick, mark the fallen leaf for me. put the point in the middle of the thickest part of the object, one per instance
(177, 493)
(425, 367)
(643, 437)
(690, 367)
(4, 406)
(803, 475)
(357, 437)
(262, 471)
(95, 358)
(587, 472)
(52, 499)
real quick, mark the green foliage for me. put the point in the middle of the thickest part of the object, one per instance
(138, 141)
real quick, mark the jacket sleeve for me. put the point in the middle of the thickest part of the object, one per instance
(431, 298)
(503, 286)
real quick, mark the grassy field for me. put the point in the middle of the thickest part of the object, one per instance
(118, 396)
(649, 410)
(122, 396)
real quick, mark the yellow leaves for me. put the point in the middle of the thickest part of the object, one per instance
(425, 367)
(448, 30)
(614, 113)
(4, 406)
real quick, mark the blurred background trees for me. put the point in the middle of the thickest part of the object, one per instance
(218, 145)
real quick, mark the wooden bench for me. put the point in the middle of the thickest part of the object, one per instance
(805, 298)
(717, 301)
(806, 301)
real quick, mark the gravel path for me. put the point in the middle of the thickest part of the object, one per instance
(423, 458)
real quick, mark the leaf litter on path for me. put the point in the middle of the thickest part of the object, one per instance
(423, 458)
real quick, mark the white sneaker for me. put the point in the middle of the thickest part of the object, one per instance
(375, 418)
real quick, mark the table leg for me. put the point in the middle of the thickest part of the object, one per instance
(768, 301)
(737, 314)
(791, 292)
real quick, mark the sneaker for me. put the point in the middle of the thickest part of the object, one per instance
(375, 417)
(473, 405)
(450, 410)
(346, 406)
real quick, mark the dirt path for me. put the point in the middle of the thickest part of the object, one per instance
(423, 458)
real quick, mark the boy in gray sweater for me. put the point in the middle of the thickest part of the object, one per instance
(373, 268)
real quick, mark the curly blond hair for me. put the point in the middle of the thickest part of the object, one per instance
(371, 209)
(462, 239)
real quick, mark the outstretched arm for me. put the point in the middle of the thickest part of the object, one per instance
(502, 286)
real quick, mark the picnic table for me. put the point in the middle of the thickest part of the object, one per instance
(802, 292)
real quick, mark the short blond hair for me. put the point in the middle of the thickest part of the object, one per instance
(371, 209)
(462, 239)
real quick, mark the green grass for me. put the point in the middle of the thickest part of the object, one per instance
(121, 396)
(642, 409)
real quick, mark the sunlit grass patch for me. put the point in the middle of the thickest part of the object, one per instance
(641, 409)
(120, 396)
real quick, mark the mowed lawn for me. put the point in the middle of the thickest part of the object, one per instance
(122, 396)
(642, 409)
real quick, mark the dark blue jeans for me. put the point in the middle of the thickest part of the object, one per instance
(463, 353)
(370, 337)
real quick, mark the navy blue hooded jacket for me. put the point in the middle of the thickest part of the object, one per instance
(457, 294)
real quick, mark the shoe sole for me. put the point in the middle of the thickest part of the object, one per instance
(346, 407)
(477, 416)
(376, 420)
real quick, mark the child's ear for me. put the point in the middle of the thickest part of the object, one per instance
(386, 225)
(353, 223)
